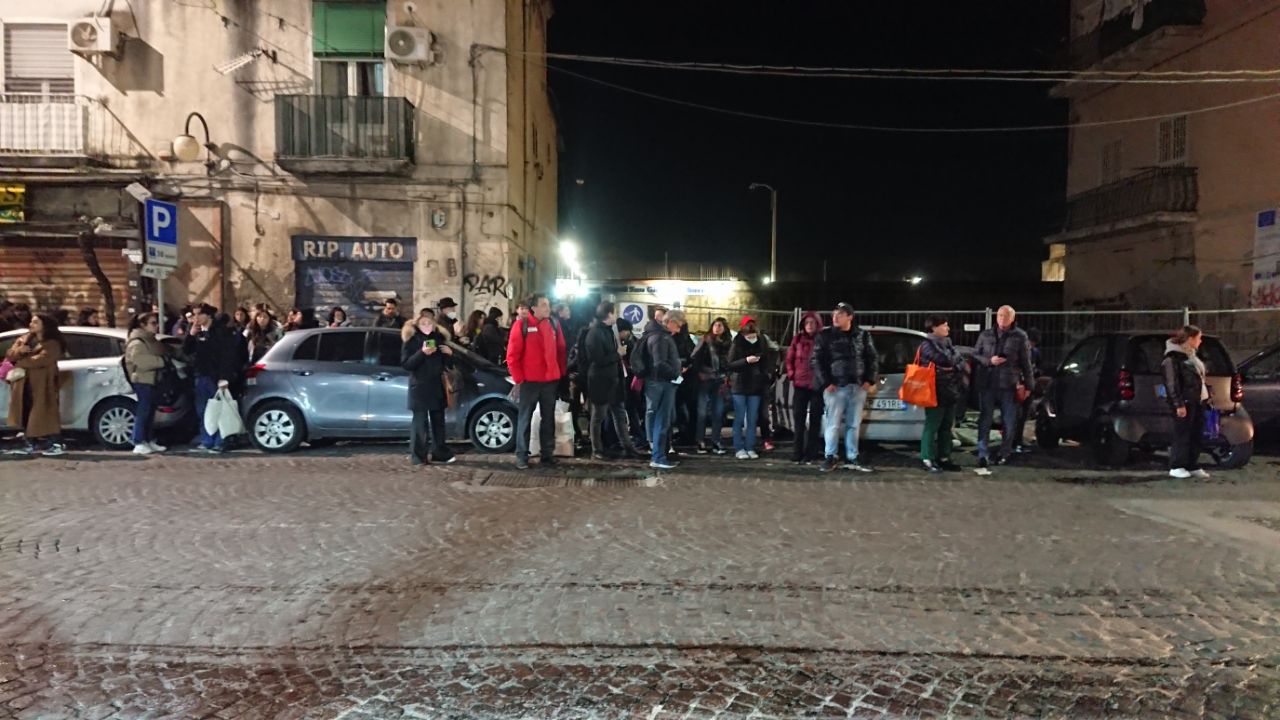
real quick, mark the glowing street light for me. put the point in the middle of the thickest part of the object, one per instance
(915, 279)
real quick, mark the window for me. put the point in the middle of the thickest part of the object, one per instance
(1173, 140)
(84, 347)
(343, 347)
(306, 349)
(36, 60)
(1268, 368)
(1087, 356)
(348, 47)
(1112, 165)
(895, 350)
(389, 347)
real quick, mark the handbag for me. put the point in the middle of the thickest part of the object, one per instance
(222, 415)
(449, 389)
(1022, 393)
(1212, 423)
(6, 367)
(919, 384)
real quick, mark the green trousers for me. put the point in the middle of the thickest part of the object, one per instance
(936, 442)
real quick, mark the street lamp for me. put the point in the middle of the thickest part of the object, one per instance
(773, 206)
(187, 148)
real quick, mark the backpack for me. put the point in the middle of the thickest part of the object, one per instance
(577, 362)
(641, 365)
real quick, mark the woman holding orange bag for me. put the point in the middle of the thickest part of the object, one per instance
(935, 444)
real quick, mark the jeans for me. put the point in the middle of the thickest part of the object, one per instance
(806, 420)
(936, 442)
(206, 388)
(746, 413)
(710, 400)
(144, 416)
(542, 395)
(988, 400)
(427, 434)
(659, 412)
(601, 411)
(1188, 436)
(843, 411)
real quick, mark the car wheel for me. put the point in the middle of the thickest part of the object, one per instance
(1232, 457)
(277, 427)
(1109, 449)
(111, 423)
(1046, 436)
(493, 428)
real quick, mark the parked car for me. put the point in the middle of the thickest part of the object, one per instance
(334, 384)
(1261, 375)
(95, 396)
(1108, 392)
(886, 418)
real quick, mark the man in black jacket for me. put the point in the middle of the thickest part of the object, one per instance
(390, 317)
(211, 349)
(846, 366)
(1003, 354)
(659, 388)
(602, 372)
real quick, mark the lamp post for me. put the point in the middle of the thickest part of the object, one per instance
(773, 245)
(186, 148)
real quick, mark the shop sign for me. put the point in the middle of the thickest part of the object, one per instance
(354, 249)
(12, 201)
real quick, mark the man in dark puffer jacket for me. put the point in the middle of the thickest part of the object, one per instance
(846, 367)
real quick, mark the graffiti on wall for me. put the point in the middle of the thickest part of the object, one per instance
(486, 290)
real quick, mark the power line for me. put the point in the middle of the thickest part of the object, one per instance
(920, 130)
(937, 74)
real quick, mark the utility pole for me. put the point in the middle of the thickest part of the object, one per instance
(773, 243)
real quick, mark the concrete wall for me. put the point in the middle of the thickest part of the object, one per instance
(472, 154)
(1236, 151)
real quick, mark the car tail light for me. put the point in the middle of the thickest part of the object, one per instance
(1237, 388)
(1125, 384)
(167, 410)
(254, 371)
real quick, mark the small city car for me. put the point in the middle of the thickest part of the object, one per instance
(329, 384)
(1108, 392)
(1261, 375)
(95, 397)
(886, 418)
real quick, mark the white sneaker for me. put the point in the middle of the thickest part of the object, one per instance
(1180, 473)
(142, 449)
(1202, 474)
(156, 447)
(742, 455)
(751, 455)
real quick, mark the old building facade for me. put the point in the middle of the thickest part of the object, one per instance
(355, 150)
(1164, 212)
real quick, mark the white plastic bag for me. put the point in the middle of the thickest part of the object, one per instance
(564, 430)
(222, 415)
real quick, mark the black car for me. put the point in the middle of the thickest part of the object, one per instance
(1261, 374)
(1109, 393)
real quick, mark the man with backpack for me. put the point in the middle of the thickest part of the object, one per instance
(537, 360)
(657, 360)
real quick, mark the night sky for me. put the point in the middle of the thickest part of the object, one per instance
(879, 206)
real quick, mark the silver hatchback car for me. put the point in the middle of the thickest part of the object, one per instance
(334, 384)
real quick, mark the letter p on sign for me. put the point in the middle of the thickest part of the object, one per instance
(161, 233)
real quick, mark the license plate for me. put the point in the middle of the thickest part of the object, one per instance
(888, 404)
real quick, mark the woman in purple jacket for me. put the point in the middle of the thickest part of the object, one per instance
(806, 400)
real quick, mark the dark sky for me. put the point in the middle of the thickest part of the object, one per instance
(658, 176)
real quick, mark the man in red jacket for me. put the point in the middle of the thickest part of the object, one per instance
(537, 358)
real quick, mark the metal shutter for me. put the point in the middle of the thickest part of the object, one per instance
(36, 59)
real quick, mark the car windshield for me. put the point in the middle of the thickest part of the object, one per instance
(1148, 353)
(895, 349)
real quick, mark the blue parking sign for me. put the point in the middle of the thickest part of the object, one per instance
(161, 232)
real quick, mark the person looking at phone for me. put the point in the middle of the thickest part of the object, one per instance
(427, 357)
(1003, 357)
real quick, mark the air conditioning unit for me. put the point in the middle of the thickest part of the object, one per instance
(92, 35)
(409, 45)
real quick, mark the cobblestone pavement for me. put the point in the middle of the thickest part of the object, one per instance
(342, 583)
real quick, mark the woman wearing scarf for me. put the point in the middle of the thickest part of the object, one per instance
(1188, 395)
(711, 363)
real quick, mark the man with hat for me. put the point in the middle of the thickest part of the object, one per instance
(446, 317)
(846, 367)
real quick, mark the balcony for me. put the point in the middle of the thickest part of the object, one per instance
(333, 135)
(1162, 21)
(1156, 197)
(42, 130)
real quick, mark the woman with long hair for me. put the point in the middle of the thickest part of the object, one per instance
(88, 317)
(711, 363)
(751, 370)
(241, 319)
(33, 386)
(471, 331)
(144, 358)
(1188, 397)
(426, 355)
(263, 333)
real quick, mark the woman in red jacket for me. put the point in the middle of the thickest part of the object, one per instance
(806, 400)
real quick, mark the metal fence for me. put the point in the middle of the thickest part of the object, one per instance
(779, 325)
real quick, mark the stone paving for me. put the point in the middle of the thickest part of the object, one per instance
(342, 583)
